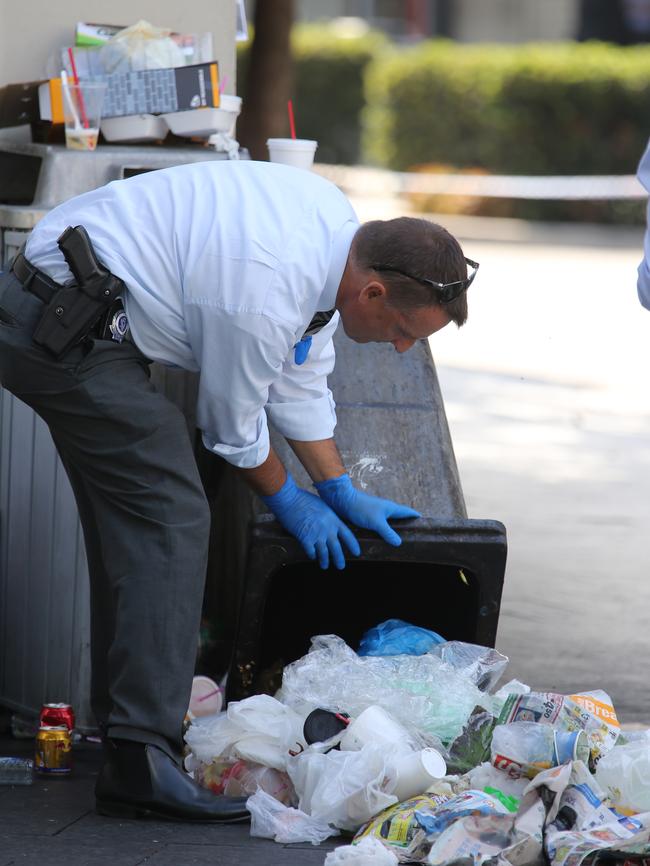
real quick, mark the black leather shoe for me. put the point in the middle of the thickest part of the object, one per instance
(141, 781)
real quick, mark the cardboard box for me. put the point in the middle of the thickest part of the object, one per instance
(150, 91)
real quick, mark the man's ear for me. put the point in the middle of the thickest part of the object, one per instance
(373, 290)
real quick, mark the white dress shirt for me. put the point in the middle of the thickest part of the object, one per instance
(225, 263)
(643, 281)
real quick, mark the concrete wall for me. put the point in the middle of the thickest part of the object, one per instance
(33, 32)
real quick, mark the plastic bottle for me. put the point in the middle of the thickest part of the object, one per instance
(16, 771)
(527, 748)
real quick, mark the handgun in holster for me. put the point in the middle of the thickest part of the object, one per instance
(76, 307)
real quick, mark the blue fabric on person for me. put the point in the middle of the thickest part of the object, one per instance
(396, 637)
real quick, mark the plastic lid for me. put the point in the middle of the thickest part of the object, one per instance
(321, 725)
(206, 697)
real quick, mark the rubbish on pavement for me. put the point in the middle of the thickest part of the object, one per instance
(396, 637)
(358, 743)
(624, 774)
(321, 725)
(273, 820)
(53, 750)
(527, 748)
(366, 852)
(591, 712)
(16, 771)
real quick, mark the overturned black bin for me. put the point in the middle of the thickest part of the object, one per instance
(447, 575)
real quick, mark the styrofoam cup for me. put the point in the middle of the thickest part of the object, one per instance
(206, 698)
(416, 771)
(298, 152)
(373, 725)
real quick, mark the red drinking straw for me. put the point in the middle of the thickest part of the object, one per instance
(75, 79)
(292, 124)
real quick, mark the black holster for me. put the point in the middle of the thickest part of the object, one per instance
(75, 308)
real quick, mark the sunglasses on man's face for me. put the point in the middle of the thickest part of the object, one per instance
(447, 292)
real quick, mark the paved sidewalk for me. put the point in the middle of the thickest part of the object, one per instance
(53, 822)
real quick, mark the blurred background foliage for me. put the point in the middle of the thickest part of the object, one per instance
(547, 108)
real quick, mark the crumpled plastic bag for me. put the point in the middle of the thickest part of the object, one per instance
(482, 665)
(396, 637)
(141, 46)
(366, 852)
(343, 788)
(624, 774)
(272, 820)
(258, 729)
(431, 698)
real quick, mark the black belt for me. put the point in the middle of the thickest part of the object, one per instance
(33, 280)
(111, 325)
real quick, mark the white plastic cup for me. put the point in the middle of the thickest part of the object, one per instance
(298, 152)
(417, 771)
(206, 698)
(82, 112)
(373, 725)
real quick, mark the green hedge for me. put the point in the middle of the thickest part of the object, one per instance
(329, 87)
(529, 109)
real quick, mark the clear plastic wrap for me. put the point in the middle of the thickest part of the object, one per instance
(272, 820)
(429, 696)
(624, 774)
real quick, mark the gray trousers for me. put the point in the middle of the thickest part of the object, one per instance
(145, 518)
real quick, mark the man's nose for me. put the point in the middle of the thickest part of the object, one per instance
(403, 345)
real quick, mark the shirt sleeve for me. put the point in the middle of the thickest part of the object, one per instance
(643, 281)
(300, 405)
(238, 363)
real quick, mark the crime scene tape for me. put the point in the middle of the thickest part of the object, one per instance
(375, 181)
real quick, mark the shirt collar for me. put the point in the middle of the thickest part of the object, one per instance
(340, 250)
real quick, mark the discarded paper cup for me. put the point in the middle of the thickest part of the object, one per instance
(298, 152)
(82, 113)
(373, 725)
(206, 698)
(571, 746)
(416, 771)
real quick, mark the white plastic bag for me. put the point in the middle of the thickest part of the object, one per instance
(367, 852)
(258, 729)
(272, 820)
(141, 46)
(624, 773)
(343, 788)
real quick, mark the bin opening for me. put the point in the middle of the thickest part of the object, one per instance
(304, 601)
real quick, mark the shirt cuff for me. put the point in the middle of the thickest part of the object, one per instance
(247, 457)
(306, 420)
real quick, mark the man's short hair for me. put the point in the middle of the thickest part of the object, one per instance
(418, 247)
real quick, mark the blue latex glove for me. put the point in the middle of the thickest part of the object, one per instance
(313, 523)
(369, 512)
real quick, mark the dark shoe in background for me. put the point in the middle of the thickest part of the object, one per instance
(140, 780)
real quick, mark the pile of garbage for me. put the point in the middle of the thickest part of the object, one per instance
(408, 747)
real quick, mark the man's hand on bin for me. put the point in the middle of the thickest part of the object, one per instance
(320, 532)
(368, 512)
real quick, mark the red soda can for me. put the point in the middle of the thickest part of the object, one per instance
(57, 714)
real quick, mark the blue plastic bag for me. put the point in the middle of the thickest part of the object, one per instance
(396, 637)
